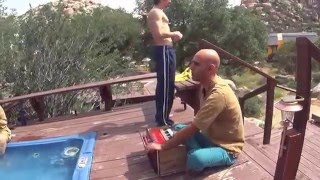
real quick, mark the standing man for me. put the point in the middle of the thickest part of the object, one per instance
(165, 58)
(5, 133)
(216, 135)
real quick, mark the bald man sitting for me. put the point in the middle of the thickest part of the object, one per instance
(216, 135)
(5, 133)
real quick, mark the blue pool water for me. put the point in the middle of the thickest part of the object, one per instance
(62, 158)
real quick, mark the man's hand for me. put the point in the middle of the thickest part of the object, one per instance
(154, 146)
(177, 36)
(3, 144)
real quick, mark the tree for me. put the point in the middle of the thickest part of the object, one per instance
(46, 50)
(234, 29)
(285, 60)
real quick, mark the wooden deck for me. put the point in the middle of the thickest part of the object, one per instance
(119, 153)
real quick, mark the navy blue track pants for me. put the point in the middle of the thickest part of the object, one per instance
(165, 58)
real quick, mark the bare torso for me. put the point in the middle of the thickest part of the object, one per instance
(158, 22)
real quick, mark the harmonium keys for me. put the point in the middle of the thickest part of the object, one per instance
(167, 133)
(165, 162)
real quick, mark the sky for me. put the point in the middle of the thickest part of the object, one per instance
(22, 6)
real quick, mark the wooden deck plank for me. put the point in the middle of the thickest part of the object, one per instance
(271, 151)
(265, 162)
(116, 130)
(308, 168)
(119, 153)
(85, 118)
(251, 129)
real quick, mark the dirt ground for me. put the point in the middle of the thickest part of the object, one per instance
(315, 109)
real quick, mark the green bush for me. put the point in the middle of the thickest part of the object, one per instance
(285, 58)
(248, 79)
(278, 93)
(236, 30)
(44, 49)
(291, 84)
(252, 107)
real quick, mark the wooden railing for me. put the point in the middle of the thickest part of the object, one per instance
(286, 88)
(288, 163)
(37, 99)
(269, 87)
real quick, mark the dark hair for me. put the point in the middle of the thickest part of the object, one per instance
(155, 2)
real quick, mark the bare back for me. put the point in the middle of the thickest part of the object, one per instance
(158, 24)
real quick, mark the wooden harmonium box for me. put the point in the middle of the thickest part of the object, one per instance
(165, 162)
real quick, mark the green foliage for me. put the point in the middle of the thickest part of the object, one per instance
(285, 58)
(316, 77)
(285, 62)
(291, 84)
(278, 93)
(245, 36)
(234, 29)
(252, 107)
(45, 50)
(248, 79)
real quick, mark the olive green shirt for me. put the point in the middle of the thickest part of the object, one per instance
(220, 117)
(3, 124)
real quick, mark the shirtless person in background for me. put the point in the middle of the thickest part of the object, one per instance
(165, 58)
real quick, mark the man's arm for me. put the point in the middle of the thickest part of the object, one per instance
(3, 137)
(155, 26)
(3, 118)
(179, 138)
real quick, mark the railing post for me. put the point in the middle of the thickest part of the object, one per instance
(271, 84)
(38, 105)
(189, 93)
(106, 96)
(287, 165)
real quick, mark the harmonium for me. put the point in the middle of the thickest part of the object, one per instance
(165, 162)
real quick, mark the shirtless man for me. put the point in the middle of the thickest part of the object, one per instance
(165, 58)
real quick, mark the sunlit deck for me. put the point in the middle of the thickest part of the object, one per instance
(119, 153)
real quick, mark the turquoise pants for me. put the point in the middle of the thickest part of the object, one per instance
(203, 153)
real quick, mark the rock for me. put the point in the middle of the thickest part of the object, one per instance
(242, 91)
(272, 11)
(315, 15)
(259, 9)
(282, 79)
(72, 7)
(300, 6)
(316, 92)
(275, 17)
(251, 5)
(257, 122)
(267, 6)
(68, 11)
(290, 13)
(231, 84)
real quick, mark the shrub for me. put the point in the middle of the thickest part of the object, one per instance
(285, 58)
(45, 50)
(252, 107)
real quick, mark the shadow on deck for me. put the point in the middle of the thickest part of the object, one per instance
(119, 152)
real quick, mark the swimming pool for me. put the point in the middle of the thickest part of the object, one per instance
(60, 158)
